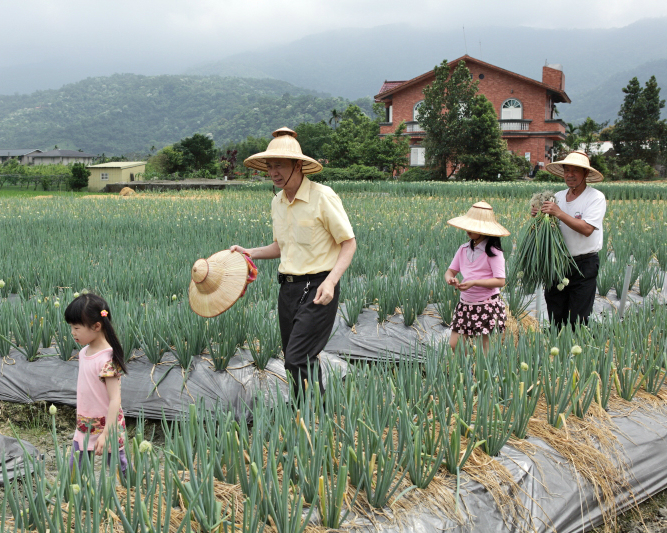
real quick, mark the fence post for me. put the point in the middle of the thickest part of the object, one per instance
(538, 304)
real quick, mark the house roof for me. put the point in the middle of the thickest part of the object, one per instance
(389, 85)
(119, 164)
(17, 152)
(64, 153)
(386, 92)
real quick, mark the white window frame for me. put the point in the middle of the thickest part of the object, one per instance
(415, 110)
(104, 176)
(505, 106)
(417, 156)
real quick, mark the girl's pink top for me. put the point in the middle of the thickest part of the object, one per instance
(482, 267)
(92, 399)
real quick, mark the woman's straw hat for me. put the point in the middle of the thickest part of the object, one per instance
(479, 219)
(284, 146)
(576, 159)
(217, 282)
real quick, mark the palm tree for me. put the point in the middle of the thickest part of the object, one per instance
(335, 117)
(572, 140)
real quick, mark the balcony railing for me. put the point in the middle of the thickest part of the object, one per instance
(413, 127)
(515, 125)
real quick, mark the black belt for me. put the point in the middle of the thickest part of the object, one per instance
(584, 256)
(288, 278)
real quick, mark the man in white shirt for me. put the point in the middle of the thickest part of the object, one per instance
(580, 210)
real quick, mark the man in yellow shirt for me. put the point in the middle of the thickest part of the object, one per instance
(315, 242)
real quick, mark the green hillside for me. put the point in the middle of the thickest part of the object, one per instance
(604, 101)
(130, 113)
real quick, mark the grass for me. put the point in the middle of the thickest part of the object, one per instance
(13, 191)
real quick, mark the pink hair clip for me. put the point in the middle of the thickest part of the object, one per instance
(104, 312)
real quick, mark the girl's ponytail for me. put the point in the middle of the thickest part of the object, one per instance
(111, 337)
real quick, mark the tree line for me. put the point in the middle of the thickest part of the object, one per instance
(349, 138)
(638, 136)
(463, 141)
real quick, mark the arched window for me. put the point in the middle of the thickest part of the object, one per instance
(415, 111)
(511, 110)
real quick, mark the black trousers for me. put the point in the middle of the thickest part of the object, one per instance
(575, 302)
(305, 328)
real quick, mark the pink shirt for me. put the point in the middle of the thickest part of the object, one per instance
(482, 267)
(92, 399)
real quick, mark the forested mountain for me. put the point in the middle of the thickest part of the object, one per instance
(354, 62)
(130, 113)
(604, 101)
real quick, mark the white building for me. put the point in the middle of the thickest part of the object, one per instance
(24, 156)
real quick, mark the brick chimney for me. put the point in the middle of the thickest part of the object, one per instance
(553, 76)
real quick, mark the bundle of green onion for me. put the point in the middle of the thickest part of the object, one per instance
(542, 256)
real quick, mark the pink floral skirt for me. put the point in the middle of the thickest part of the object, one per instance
(479, 318)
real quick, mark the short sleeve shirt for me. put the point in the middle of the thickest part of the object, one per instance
(92, 399)
(310, 229)
(478, 266)
(589, 206)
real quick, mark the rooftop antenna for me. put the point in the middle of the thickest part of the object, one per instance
(465, 42)
(480, 48)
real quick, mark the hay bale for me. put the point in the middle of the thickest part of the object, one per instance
(126, 191)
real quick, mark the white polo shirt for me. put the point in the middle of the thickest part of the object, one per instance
(589, 206)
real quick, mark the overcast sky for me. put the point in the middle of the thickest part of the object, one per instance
(140, 33)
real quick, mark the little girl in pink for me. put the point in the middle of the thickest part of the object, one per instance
(482, 264)
(101, 363)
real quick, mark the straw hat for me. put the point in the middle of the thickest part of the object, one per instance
(284, 146)
(576, 159)
(479, 219)
(217, 282)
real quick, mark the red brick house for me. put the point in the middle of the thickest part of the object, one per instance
(525, 107)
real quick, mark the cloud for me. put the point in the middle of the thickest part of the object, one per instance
(171, 34)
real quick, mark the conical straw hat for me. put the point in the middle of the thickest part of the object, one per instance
(479, 219)
(576, 159)
(284, 146)
(217, 282)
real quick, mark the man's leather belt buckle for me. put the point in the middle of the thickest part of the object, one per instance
(291, 278)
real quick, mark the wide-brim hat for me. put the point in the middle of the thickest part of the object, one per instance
(480, 219)
(283, 146)
(217, 282)
(576, 159)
